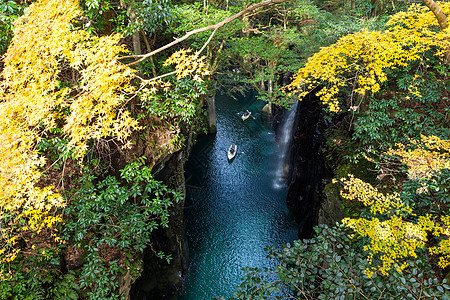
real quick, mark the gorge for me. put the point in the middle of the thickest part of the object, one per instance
(234, 209)
(114, 182)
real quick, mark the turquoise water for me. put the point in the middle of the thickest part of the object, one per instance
(233, 209)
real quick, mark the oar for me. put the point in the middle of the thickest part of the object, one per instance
(249, 116)
(252, 116)
(236, 151)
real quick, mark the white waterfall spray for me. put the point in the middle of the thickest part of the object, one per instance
(284, 143)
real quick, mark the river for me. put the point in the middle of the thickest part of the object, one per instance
(233, 209)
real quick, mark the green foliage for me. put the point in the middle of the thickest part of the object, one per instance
(266, 48)
(179, 104)
(188, 17)
(65, 288)
(115, 218)
(124, 214)
(151, 15)
(398, 115)
(9, 11)
(264, 58)
(428, 195)
(35, 277)
(110, 221)
(99, 278)
(331, 266)
(127, 16)
(56, 150)
(95, 11)
(329, 27)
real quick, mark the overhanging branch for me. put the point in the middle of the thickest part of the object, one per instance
(192, 32)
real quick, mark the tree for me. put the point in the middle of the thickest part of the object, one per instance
(9, 11)
(361, 63)
(62, 91)
(396, 231)
(440, 16)
(216, 26)
(357, 63)
(331, 266)
(268, 50)
(68, 104)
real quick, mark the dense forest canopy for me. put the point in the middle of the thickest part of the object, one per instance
(94, 94)
(393, 81)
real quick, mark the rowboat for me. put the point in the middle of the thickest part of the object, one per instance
(232, 151)
(246, 115)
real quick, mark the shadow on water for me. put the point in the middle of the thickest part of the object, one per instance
(233, 211)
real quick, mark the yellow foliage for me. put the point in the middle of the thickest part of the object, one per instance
(358, 61)
(378, 203)
(425, 159)
(429, 155)
(391, 241)
(392, 237)
(54, 75)
(58, 76)
(187, 64)
(443, 248)
(33, 77)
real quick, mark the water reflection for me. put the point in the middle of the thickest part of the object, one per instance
(233, 210)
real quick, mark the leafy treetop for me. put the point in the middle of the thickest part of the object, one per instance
(55, 75)
(357, 63)
(395, 230)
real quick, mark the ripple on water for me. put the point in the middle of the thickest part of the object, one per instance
(233, 210)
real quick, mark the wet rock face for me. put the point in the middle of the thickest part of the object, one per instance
(309, 170)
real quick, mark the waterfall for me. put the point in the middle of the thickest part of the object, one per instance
(284, 143)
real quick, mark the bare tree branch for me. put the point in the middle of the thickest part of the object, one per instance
(192, 32)
(206, 44)
(146, 81)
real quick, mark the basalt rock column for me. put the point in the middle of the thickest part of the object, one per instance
(309, 170)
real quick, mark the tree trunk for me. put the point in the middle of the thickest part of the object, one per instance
(149, 49)
(270, 91)
(442, 20)
(135, 36)
(377, 7)
(137, 43)
(440, 16)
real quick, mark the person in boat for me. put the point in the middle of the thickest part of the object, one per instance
(246, 113)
